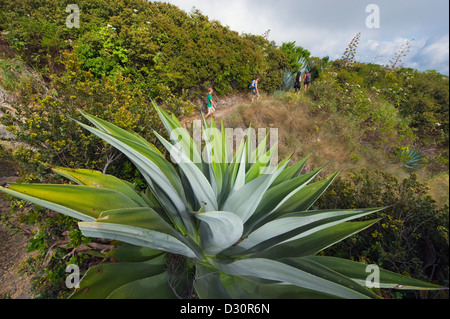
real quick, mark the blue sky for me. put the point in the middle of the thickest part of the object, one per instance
(326, 27)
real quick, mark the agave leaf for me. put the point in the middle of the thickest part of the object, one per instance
(139, 236)
(160, 175)
(146, 218)
(321, 271)
(221, 153)
(143, 217)
(146, 159)
(226, 148)
(210, 167)
(112, 129)
(294, 226)
(315, 242)
(172, 208)
(261, 164)
(285, 274)
(291, 172)
(238, 174)
(100, 281)
(97, 179)
(207, 283)
(132, 253)
(275, 197)
(143, 154)
(218, 145)
(199, 184)
(151, 200)
(219, 230)
(239, 287)
(179, 135)
(245, 201)
(304, 199)
(358, 272)
(80, 202)
(154, 287)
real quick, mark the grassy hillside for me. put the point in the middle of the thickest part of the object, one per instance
(352, 126)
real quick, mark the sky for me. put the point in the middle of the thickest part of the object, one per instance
(326, 27)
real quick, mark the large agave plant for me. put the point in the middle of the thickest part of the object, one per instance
(246, 232)
(289, 76)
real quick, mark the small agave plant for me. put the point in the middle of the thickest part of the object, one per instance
(246, 232)
(412, 158)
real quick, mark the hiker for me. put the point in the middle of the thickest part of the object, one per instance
(307, 80)
(254, 88)
(298, 82)
(211, 106)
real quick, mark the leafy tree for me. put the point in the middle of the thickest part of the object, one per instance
(294, 54)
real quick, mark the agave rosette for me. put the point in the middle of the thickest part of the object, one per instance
(246, 224)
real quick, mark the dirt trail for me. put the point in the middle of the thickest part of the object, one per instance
(12, 247)
(225, 106)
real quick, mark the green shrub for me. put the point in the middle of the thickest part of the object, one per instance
(153, 43)
(411, 238)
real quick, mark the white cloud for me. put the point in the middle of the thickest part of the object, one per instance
(424, 54)
(435, 56)
(382, 52)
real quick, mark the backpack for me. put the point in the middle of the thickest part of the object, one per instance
(308, 77)
(206, 100)
(252, 85)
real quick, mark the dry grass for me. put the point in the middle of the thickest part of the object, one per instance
(301, 131)
(439, 188)
(330, 139)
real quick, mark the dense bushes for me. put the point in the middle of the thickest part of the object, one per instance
(412, 236)
(124, 55)
(153, 43)
(378, 121)
(393, 109)
(421, 97)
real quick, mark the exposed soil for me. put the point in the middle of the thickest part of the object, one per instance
(225, 106)
(12, 247)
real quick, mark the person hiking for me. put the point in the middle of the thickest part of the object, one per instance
(298, 82)
(254, 88)
(307, 80)
(211, 106)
